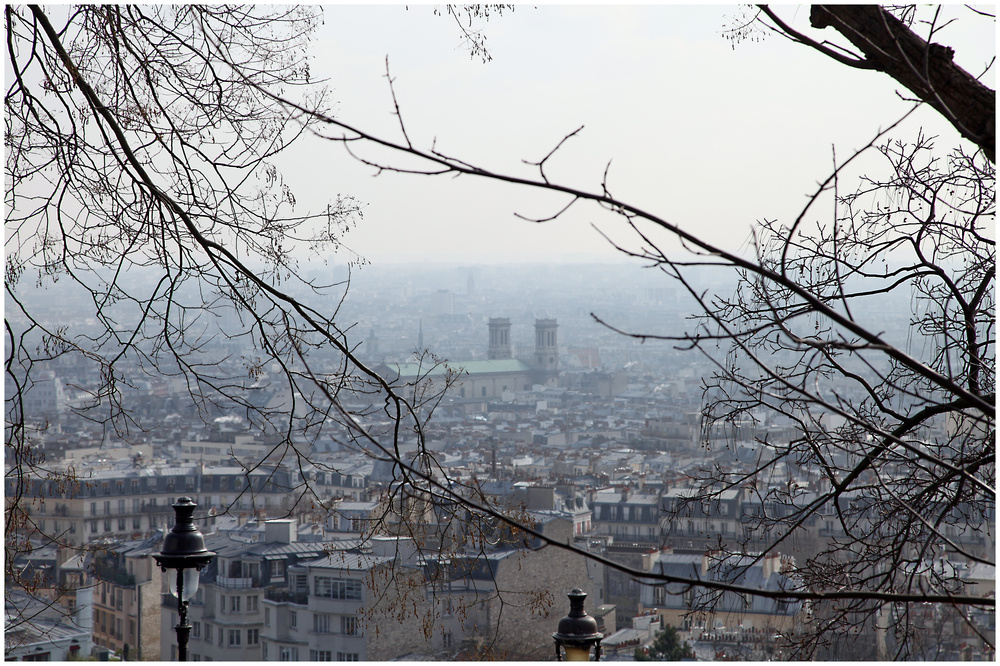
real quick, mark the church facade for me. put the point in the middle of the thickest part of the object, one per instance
(500, 373)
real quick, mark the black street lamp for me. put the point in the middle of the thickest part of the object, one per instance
(577, 632)
(184, 550)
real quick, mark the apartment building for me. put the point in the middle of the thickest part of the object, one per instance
(246, 448)
(350, 480)
(126, 598)
(501, 604)
(124, 504)
(702, 610)
(626, 516)
(396, 602)
(688, 522)
(320, 617)
(969, 527)
(227, 613)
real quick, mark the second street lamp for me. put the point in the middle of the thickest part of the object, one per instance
(577, 632)
(183, 550)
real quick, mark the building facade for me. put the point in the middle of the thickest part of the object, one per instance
(704, 611)
(320, 617)
(126, 599)
(627, 516)
(133, 503)
(227, 613)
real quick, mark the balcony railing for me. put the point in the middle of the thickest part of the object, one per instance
(237, 583)
(278, 594)
(116, 576)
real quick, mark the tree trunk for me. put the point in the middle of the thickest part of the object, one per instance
(927, 70)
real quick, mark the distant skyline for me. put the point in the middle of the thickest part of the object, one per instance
(706, 135)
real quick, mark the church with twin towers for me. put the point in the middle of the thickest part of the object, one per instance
(500, 373)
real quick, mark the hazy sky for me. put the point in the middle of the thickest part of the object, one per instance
(705, 135)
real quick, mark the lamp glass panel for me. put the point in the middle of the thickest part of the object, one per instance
(191, 577)
(577, 654)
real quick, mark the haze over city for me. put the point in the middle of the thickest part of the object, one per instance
(697, 129)
(370, 333)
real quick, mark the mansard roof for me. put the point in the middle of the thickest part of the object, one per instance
(347, 562)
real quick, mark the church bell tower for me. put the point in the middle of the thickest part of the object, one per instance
(546, 345)
(499, 339)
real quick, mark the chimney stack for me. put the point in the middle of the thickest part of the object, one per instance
(283, 530)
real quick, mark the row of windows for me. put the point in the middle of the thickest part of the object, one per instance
(706, 508)
(693, 527)
(108, 525)
(326, 624)
(482, 390)
(163, 484)
(145, 486)
(337, 588)
(322, 623)
(291, 653)
(38, 656)
(116, 596)
(236, 604)
(137, 506)
(235, 635)
(612, 512)
(111, 625)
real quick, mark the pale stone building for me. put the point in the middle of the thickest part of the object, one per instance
(126, 599)
(501, 374)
